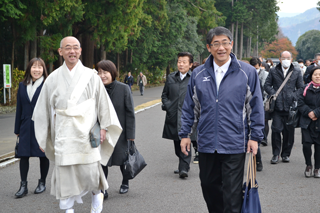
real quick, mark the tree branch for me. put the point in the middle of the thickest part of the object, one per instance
(196, 6)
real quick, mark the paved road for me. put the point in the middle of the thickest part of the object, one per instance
(283, 187)
(7, 137)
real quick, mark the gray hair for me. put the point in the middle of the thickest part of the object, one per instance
(285, 51)
(69, 37)
(317, 54)
(218, 31)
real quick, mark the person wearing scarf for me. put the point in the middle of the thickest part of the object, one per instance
(28, 93)
(309, 107)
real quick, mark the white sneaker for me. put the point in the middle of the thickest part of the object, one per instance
(70, 211)
(97, 203)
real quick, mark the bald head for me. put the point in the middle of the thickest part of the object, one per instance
(68, 38)
(70, 50)
(285, 54)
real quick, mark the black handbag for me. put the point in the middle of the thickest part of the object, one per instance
(135, 162)
(16, 148)
(251, 200)
(294, 115)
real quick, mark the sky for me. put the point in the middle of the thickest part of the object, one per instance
(296, 6)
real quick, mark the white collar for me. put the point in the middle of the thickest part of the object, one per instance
(224, 67)
(183, 75)
(71, 72)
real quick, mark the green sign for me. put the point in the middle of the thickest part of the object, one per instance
(7, 75)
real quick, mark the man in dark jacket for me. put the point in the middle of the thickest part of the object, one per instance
(224, 102)
(309, 68)
(129, 80)
(284, 100)
(172, 97)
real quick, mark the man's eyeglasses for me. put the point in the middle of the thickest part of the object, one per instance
(68, 48)
(225, 44)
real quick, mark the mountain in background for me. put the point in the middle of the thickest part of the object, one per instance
(283, 14)
(294, 27)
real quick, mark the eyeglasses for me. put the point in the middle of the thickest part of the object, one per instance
(225, 44)
(68, 48)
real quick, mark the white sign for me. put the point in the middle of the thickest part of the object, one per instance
(6, 76)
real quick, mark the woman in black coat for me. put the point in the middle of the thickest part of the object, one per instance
(28, 93)
(120, 95)
(309, 106)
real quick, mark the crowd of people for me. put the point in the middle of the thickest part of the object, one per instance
(217, 106)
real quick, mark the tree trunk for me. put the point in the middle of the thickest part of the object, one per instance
(167, 71)
(26, 55)
(257, 41)
(131, 56)
(51, 63)
(118, 63)
(236, 41)
(88, 51)
(232, 24)
(103, 53)
(33, 46)
(248, 48)
(250, 45)
(241, 42)
(13, 43)
(127, 57)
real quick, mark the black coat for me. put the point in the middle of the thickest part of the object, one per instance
(122, 101)
(308, 103)
(24, 126)
(128, 80)
(173, 95)
(307, 73)
(287, 94)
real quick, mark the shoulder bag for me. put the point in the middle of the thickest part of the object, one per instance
(135, 162)
(271, 102)
(251, 200)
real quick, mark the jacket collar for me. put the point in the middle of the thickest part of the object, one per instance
(234, 65)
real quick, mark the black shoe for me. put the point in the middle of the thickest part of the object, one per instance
(183, 174)
(259, 166)
(41, 187)
(123, 189)
(286, 159)
(105, 194)
(176, 171)
(264, 142)
(275, 159)
(196, 158)
(23, 189)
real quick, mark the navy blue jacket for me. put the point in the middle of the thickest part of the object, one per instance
(228, 119)
(24, 126)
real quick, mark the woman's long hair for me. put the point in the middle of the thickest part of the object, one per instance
(27, 76)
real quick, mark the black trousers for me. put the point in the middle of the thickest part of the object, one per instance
(184, 160)
(221, 177)
(307, 152)
(279, 126)
(24, 168)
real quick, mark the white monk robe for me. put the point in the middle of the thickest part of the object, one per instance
(78, 102)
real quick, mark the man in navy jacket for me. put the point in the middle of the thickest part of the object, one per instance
(224, 103)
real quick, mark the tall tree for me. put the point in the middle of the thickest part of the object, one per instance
(308, 44)
(274, 49)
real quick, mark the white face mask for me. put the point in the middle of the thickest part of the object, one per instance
(286, 63)
(258, 70)
(269, 64)
(318, 62)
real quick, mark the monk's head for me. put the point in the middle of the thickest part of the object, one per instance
(70, 50)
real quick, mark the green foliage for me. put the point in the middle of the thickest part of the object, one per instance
(308, 44)
(50, 44)
(11, 9)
